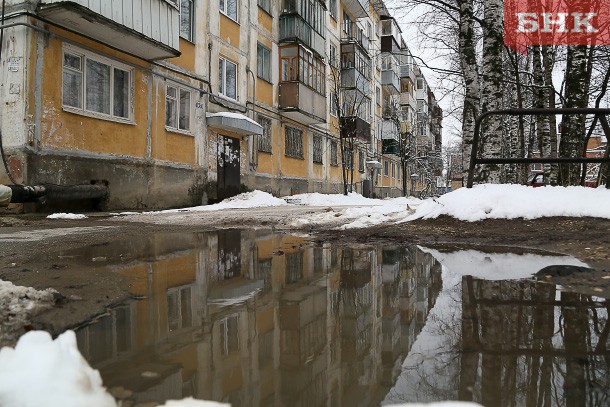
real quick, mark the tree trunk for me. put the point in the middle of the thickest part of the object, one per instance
(548, 58)
(573, 128)
(470, 70)
(492, 88)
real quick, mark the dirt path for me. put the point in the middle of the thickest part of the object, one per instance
(34, 251)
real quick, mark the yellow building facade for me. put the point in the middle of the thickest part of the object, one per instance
(182, 102)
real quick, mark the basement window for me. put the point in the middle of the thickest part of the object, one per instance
(95, 85)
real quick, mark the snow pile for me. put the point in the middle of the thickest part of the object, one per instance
(62, 215)
(439, 404)
(364, 215)
(254, 199)
(41, 371)
(17, 305)
(317, 199)
(489, 201)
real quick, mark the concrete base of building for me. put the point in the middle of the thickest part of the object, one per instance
(284, 186)
(133, 184)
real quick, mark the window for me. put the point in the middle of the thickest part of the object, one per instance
(332, 9)
(378, 95)
(294, 142)
(386, 168)
(227, 78)
(347, 24)
(393, 170)
(333, 153)
(263, 62)
(333, 61)
(360, 160)
(229, 335)
(347, 157)
(229, 8)
(96, 85)
(265, 5)
(369, 30)
(186, 19)
(264, 140)
(376, 27)
(333, 104)
(179, 309)
(317, 149)
(177, 108)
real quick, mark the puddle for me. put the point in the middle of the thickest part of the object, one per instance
(259, 319)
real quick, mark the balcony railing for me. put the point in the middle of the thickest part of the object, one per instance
(406, 70)
(351, 32)
(293, 27)
(305, 104)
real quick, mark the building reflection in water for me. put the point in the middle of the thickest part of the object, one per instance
(255, 318)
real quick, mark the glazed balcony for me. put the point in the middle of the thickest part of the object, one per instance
(293, 28)
(357, 8)
(390, 36)
(352, 78)
(301, 103)
(149, 29)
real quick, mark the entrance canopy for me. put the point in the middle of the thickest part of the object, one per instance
(234, 122)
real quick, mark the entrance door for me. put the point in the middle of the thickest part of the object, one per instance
(228, 167)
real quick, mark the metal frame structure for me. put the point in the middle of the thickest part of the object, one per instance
(474, 160)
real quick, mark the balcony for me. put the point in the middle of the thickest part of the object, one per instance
(293, 28)
(390, 80)
(406, 71)
(352, 33)
(390, 36)
(301, 103)
(351, 78)
(149, 29)
(356, 127)
(357, 8)
(407, 99)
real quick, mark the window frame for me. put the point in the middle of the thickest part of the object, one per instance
(113, 65)
(191, 35)
(224, 78)
(260, 119)
(179, 88)
(260, 47)
(296, 143)
(334, 153)
(333, 10)
(222, 6)
(262, 6)
(317, 153)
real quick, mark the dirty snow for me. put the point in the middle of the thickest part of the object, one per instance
(491, 201)
(17, 305)
(254, 199)
(317, 199)
(62, 215)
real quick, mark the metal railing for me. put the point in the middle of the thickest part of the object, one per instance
(474, 160)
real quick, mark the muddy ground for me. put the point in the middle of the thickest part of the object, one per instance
(35, 251)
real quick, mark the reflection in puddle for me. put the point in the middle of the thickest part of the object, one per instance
(254, 318)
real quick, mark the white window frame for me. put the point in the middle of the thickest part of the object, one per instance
(191, 35)
(223, 10)
(266, 64)
(84, 56)
(178, 129)
(222, 87)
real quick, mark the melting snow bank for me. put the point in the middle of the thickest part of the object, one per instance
(317, 199)
(62, 215)
(17, 305)
(490, 201)
(41, 371)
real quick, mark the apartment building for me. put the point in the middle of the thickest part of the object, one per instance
(183, 102)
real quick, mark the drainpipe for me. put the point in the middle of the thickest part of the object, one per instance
(42, 193)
